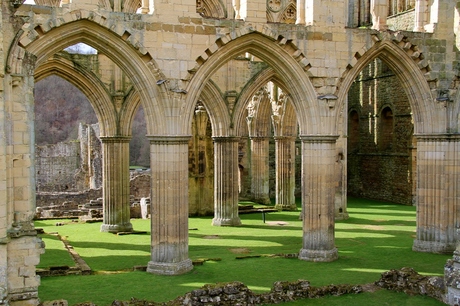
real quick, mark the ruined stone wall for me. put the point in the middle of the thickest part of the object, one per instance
(139, 184)
(380, 139)
(70, 166)
(403, 21)
(56, 165)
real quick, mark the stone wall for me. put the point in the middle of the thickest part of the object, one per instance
(403, 21)
(70, 166)
(380, 132)
(56, 165)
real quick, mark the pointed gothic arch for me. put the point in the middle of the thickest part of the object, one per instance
(216, 108)
(412, 80)
(211, 8)
(136, 63)
(89, 84)
(290, 70)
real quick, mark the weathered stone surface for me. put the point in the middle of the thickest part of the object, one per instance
(407, 280)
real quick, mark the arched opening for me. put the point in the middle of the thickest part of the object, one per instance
(226, 116)
(64, 133)
(380, 151)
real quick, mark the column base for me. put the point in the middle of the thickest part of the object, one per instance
(433, 247)
(284, 207)
(169, 268)
(341, 216)
(319, 255)
(116, 228)
(226, 222)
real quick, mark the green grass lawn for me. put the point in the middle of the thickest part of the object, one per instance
(377, 237)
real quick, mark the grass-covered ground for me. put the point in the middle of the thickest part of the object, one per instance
(377, 237)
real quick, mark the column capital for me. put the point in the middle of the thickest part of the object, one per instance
(168, 139)
(115, 139)
(284, 138)
(319, 138)
(259, 138)
(437, 137)
(225, 138)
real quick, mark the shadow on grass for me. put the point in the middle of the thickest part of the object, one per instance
(366, 248)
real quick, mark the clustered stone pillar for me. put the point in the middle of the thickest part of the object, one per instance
(169, 205)
(285, 172)
(226, 181)
(438, 193)
(260, 170)
(318, 164)
(115, 178)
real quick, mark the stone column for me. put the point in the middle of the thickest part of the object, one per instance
(421, 15)
(285, 172)
(260, 170)
(115, 184)
(226, 181)
(438, 193)
(169, 205)
(379, 12)
(300, 12)
(318, 178)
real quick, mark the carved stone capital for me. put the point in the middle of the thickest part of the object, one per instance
(319, 138)
(115, 139)
(169, 140)
(222, 139)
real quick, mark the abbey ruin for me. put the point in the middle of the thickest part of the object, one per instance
(367, 89)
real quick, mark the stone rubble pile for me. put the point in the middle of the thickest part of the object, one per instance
(407, 280)
(237, 293)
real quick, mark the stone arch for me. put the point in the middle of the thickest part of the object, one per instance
(262, 78)
(260, 116)
(211, 8)
(41, 43)
(106, 4)
(289, 126)
(128, 111)
(217, 109)
(291, 67)
(89, 84)
(409, 72)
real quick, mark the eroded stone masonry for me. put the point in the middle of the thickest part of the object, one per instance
(362, 94)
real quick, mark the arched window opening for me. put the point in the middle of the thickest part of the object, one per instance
(353, 131)
(386, 129)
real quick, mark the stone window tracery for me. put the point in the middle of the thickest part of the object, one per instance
(210, 8)
(281, 11)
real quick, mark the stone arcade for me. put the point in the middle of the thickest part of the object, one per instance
(177, 54)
